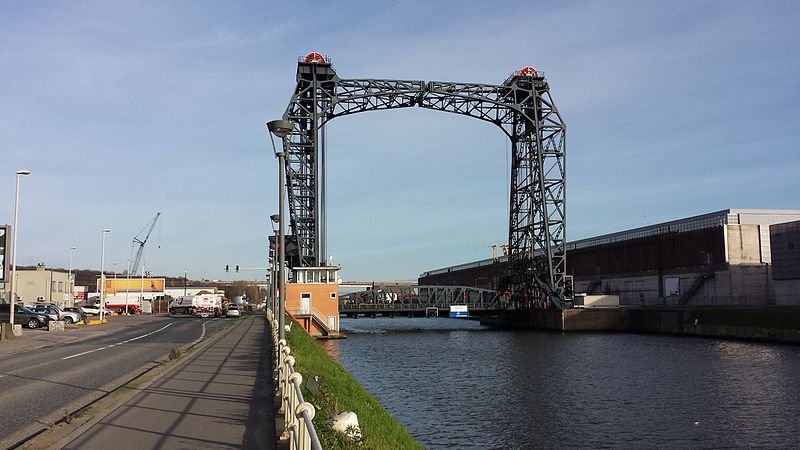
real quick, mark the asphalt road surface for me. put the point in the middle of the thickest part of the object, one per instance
(37, 386)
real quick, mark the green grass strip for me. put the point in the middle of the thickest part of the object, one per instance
(339, 392)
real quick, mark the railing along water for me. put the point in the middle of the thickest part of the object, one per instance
(297, 413)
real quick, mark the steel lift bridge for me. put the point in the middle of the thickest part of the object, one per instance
(521, 107)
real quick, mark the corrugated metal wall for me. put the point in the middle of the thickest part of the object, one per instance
(673, 250)
(688, 249)
(785, 248)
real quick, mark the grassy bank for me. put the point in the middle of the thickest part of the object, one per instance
(339, 392)
(777, 318)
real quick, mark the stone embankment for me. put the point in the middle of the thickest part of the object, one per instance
(762, 324)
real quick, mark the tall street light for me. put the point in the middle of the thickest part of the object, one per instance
(71, 281)
(141, 286)
(281, 129)
(275, 218)
(115, 282)
(13, 286)
(103, 275)
(127, 284)
(185, 281)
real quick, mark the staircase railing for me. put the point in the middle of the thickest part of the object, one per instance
(698, 283)
(314, 314)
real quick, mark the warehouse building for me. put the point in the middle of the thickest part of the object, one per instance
(785, 249)
(719, 258)
(44, 285)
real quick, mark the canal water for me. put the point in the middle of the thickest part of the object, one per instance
(455, 384)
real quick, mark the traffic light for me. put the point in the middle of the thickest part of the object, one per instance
(227, 267)
(237, 268)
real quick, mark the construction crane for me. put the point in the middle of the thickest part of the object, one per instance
(137, 240)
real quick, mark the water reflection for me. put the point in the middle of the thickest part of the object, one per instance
(454, 384)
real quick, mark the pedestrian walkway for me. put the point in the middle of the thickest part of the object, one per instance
(220, 397)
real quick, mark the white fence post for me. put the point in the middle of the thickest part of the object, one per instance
(298, 414)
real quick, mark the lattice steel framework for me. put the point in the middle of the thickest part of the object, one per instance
(521, 107)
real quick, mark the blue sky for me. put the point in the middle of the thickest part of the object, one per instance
(123, 109)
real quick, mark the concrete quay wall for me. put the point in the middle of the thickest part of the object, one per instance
(632, 320)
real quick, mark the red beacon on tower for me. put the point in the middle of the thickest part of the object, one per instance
(527, 71)
(314, 57)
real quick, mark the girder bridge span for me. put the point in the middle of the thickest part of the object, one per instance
(421, 300)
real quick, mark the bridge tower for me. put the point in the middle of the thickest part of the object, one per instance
(521, 107)
(537, 222)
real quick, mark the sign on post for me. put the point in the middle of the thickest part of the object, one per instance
(459, 311)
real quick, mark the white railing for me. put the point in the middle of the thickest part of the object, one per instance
(315, 314)
(297, 413)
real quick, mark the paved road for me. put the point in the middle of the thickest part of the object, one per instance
(220, 397)
(37, 385)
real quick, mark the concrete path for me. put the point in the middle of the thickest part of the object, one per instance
(220, 397)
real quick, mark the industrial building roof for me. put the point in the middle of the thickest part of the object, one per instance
(708, 220)
(735, 216)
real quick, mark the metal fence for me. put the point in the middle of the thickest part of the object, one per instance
(296, 412)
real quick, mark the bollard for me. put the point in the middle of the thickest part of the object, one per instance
(5, 331)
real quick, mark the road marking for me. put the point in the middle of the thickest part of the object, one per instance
(203, 334)
(119, 343)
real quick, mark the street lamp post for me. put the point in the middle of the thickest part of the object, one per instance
(281, 129)
(103, 275)
(13, 290)
(185, 280)
(115, 280)
(275, 218)
(127, 284)
(141, 287)
(71, 281)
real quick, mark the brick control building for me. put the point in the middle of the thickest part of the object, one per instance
(313, 299)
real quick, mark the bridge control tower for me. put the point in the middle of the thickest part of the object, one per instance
(313, 299)
(521, 108)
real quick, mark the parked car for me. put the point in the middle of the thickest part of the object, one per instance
(57, 313)
(232, 311)
(23, 315)
(75, 310)
(94, 310)
(50, 311)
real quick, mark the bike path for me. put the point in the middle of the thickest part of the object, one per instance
(220, 397)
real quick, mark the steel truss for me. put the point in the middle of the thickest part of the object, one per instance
(423, 297)
(521, 107)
